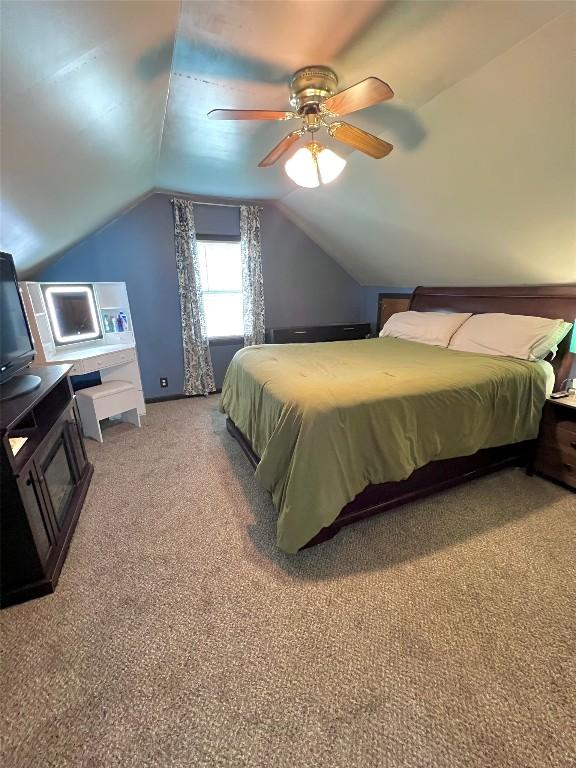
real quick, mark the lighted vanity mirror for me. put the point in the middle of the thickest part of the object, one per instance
(72, 313)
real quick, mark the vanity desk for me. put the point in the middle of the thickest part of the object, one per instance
(87, 326)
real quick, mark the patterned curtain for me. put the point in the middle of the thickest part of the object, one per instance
(252, 285)
(198, 373)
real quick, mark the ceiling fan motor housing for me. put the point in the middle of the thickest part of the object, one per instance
(310, 87)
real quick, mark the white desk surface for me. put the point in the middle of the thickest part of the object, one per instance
(71, 355)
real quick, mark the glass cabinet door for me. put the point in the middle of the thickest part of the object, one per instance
(77, 444)
(36, 512)
(59, 478)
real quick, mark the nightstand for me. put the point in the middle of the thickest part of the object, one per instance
(556, 450)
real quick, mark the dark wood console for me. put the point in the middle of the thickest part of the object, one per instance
(315, 333)
(45, 475)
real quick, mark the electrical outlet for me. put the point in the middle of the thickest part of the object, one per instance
(163, 381)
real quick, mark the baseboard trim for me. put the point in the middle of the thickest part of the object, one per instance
(167, 398)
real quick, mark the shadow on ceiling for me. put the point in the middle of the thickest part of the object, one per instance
(194, 57)
(390, 22)
(392, 122)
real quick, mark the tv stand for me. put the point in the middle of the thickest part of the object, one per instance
(19, 385)
(45, 475)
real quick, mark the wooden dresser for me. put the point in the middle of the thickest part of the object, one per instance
(556, 450)
(312, 333)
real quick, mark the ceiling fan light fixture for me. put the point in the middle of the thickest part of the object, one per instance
(314, 164)
(330, 165)
(314, 101)
(303, 169)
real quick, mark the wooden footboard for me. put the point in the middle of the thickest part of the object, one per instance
(433, 477)
(244, 444)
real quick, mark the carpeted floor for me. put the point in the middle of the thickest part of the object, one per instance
(442, 634)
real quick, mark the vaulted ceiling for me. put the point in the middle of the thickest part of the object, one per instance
(103, 102)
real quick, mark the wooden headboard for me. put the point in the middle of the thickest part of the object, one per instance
(554, 301)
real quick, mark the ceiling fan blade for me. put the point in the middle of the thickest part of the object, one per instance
(359, 139)
(363, 94)
(280, 149)
(249, 114)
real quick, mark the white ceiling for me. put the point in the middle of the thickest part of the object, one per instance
(104, 101)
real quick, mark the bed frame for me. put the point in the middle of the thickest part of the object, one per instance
(554, 301)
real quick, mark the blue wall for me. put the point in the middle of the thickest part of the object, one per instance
(134, 249)
(302, 285)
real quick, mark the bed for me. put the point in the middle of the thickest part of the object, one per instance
(343, 430)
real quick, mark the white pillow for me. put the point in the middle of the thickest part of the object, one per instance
(521, 336)
(436, 328)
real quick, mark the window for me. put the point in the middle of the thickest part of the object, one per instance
(221, 277)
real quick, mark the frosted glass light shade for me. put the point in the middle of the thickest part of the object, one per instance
(330, 165)
(302, 168)
(314, 164)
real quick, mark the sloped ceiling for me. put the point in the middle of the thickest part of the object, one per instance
(488, 197)
(104, 101)
(81, 125)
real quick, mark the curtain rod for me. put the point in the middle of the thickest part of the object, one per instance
(220, 205)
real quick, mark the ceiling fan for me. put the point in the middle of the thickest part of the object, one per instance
(315, 100)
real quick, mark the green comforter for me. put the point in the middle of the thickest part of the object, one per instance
(328, 419)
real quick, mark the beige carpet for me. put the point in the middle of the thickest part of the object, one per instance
(442, 634)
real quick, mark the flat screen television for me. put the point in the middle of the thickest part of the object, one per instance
(16, 345)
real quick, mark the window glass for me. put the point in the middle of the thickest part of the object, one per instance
(221, 277)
